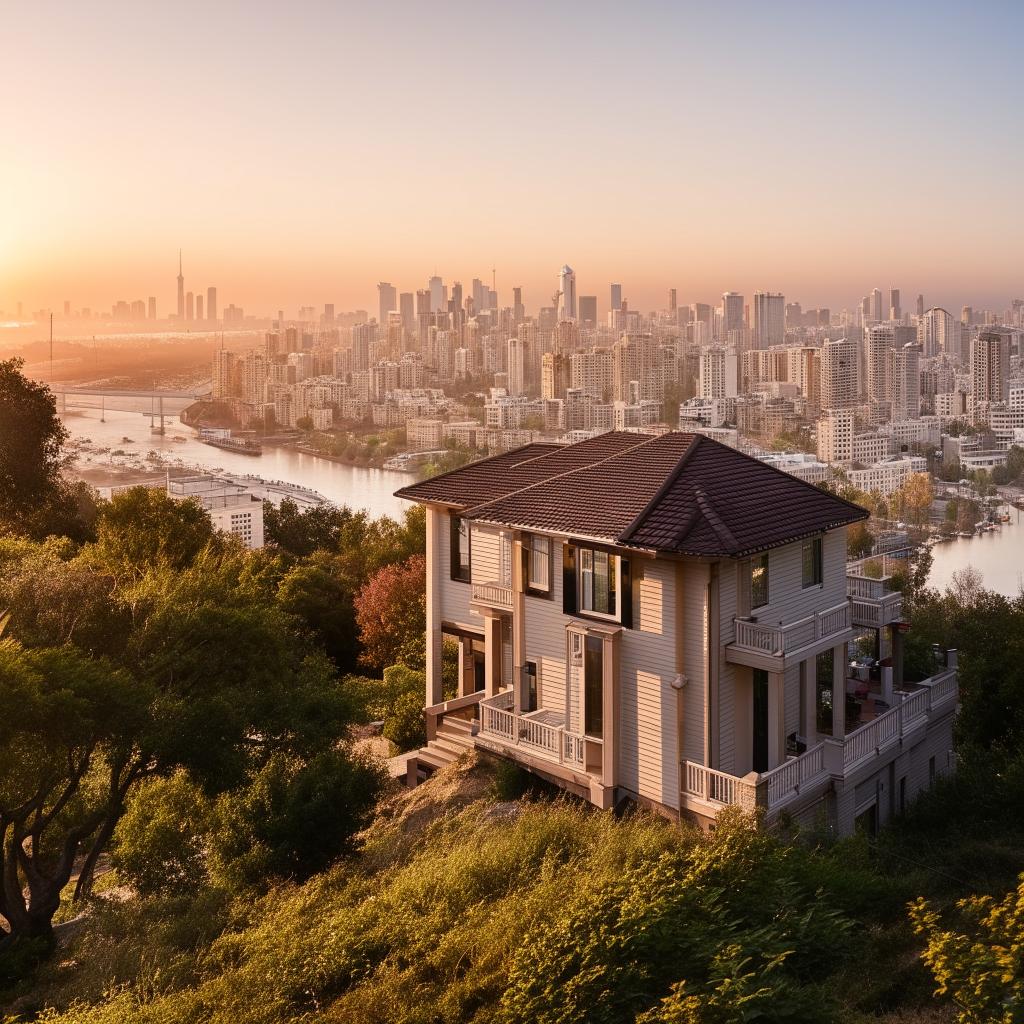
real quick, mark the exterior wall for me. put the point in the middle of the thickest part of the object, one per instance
(545, 642)
(455, 595)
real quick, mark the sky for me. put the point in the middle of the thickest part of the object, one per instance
(299, 153)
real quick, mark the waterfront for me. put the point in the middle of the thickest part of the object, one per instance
(356, 486)
(998, 556)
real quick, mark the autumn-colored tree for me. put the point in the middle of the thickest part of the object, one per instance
(391, 612)
(916, 496)
(979, 967)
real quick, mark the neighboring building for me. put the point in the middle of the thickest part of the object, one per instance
(769, 324)
(839, 378)
(990, 371)
(666, 620)
(718, 373)
(889, 475)
(566, 293)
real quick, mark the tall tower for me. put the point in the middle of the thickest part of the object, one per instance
(567, 287)
(181, 290)
(211, 304)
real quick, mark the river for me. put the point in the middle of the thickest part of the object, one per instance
(998, 556)
(356, 486)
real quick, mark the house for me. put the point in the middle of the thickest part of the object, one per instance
(667, 620)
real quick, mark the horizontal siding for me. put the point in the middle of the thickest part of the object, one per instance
(485, 565)
(726, 672)
(647, 701)
(695, 578)
(455, 595)
(544, 639)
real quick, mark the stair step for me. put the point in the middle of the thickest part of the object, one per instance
(449, 746)
(456, 724)
(432, 759)
(456, 736)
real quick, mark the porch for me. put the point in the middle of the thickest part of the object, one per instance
(801, 780)
(871, 587)
(775, 647)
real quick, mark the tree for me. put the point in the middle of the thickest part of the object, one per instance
(300, 532)
(34, 497)
(916, 496)
(143, 527)
(391, 612)
(859, 540)
(979, 964)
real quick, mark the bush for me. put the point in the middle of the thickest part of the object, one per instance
(404, 724)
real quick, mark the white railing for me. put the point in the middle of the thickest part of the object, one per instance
(875, 567)
(786, 781)
(493, 594)
(865, 587)
(865, 613)
(896, 723)
(781, 640)
(712, 786)
(498, 721)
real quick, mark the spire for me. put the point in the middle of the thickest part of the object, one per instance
(179, 263)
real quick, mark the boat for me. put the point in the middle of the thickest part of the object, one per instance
(241, 446)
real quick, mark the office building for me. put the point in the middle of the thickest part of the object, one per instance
(616, 297)
(769, 326)
(839, 379)
(387, 295)
(588, 310)
(566, 293)
(211, 304)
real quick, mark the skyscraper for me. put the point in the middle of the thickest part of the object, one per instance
(990, 370)
(876, 305)
(905, 382)
(732, 312)
(152, 307)
(616, 296)
(211, 304)
(199, 306)
(920, 307)
(438, 294)
(935, 332)
(672, 301)
(189, 307)
(515, 368)
(388, 296)
(895, 313)
(769, 327)
(567, 290)
(518, 309)
(838, 374)
(181, 290)
(406, 308)
(588, 310)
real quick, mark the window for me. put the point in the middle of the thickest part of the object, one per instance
(537, 552)
(759, 580)
(460, 560)
(812, 573)
(530, 687)
(599, 582)
(593, 687)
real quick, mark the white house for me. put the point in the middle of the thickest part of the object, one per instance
(665, 619)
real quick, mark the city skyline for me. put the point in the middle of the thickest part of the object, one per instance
(804, 165)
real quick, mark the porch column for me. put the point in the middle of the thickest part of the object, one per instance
(776, 719)
(492, 657)
(886, 679)
(435, 686)
(896, 637)
(839, 691)
(610, 713)
(809, 698)
(467, 672)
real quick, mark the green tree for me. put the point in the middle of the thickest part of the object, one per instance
(979, 963)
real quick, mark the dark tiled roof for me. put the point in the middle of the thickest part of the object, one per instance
(679, 493)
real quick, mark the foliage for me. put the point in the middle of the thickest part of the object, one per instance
(403, 723)
(859, 540)
(391, 613)
(295, 818)
(159, 843)
(980, 966)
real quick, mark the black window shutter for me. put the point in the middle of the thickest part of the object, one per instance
(569, 579)
(524, 561)
(454, 563)
(626, 578)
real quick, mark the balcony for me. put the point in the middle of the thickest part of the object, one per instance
(775, 647)
(538, 734)
(494, 595)
(874, 598)
(806, 777)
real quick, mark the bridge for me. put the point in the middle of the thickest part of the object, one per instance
(75, 396)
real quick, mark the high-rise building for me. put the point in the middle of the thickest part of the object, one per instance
(936, 333)
(199, 307)
(211, 304)
(588, 310)
(839, 388)
(905, 382)
(895, 313)
(567, 293)
(672, 300)
(515, 368)
(152, 307)
(616, 298)
(876, 305)
(554, 373)
(363, 337)
(718, 373)
(966, 316)
(878, 343)
(223, 373)
(189, 307)
(990, 370)
(518, 309)
(438, 294)
(732, 313)
(769, 326)
(591, 373)
(407, 309)
(388, 299)
(920, 305)
(181, 290)
(422, 302)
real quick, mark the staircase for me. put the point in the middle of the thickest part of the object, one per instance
(453, 738)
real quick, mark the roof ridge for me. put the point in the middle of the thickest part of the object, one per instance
(722, 532)
(470, 512)
(669, 481)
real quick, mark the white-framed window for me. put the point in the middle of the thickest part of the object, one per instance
(538, 564)
(812, 570)
(598, 583)
(759, 581)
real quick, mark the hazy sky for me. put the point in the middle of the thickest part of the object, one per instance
(301, 152)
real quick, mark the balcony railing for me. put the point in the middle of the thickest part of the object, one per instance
(498, 721)
(493, 594)
(830, 758)
(881, 612)
(785, 639)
